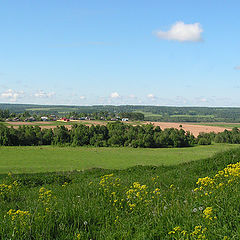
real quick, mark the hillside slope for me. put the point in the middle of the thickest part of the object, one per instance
(194, 200)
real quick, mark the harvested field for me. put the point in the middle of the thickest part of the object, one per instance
(194, 129)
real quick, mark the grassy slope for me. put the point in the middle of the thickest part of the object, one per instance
(50, 159)
(83, 209)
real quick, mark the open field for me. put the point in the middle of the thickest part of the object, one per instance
(149, 114)
(50, 159)
(141, 202)
(193, 128)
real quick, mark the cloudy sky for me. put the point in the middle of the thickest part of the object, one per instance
(184, 53)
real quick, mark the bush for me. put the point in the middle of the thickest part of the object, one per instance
(204, 141)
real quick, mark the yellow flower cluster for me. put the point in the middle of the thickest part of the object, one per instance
(111, 185)
(225, 177)
(136, 193)
(19, 216)
(6, 190)
(44, 195)
(156, 191)
(208, 214)
(65, 184)
(107, 182)
(177, 229)
(131, 197)
(197, 233)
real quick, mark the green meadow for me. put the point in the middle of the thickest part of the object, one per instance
(50, 159)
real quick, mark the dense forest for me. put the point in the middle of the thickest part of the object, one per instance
(114, 134)
(151, 113)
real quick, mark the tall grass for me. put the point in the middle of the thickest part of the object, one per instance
(137, 203)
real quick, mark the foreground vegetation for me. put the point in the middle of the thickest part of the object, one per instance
(195, 200)
(49, 159)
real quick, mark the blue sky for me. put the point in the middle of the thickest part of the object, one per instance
(182, 53)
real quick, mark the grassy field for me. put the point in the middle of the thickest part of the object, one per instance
(50, 159)
(153, 115)
(137, 203)
(149, 114)
(190, 116)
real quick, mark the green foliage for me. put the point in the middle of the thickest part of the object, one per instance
(205, 138)
(226, 136)
(115, 134)
(204, 141)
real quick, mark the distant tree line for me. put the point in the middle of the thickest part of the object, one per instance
(166, 113)
(113, 134)
(4, 114)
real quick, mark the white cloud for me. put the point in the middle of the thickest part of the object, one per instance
(82, 97)
(114, 95)
(11, 95)
(42, 94)
(151, 96)
(237, 67)
(182, 32)
(203, 100)
(132, 96)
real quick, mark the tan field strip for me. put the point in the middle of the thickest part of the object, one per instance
(194, 129)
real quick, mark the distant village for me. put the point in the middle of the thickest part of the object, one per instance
(63, 119)
(31, 116)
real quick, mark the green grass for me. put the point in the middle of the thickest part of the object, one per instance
(149, 114)
(78, 207)
(192, 116)
(157, 116)
(50, 159)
